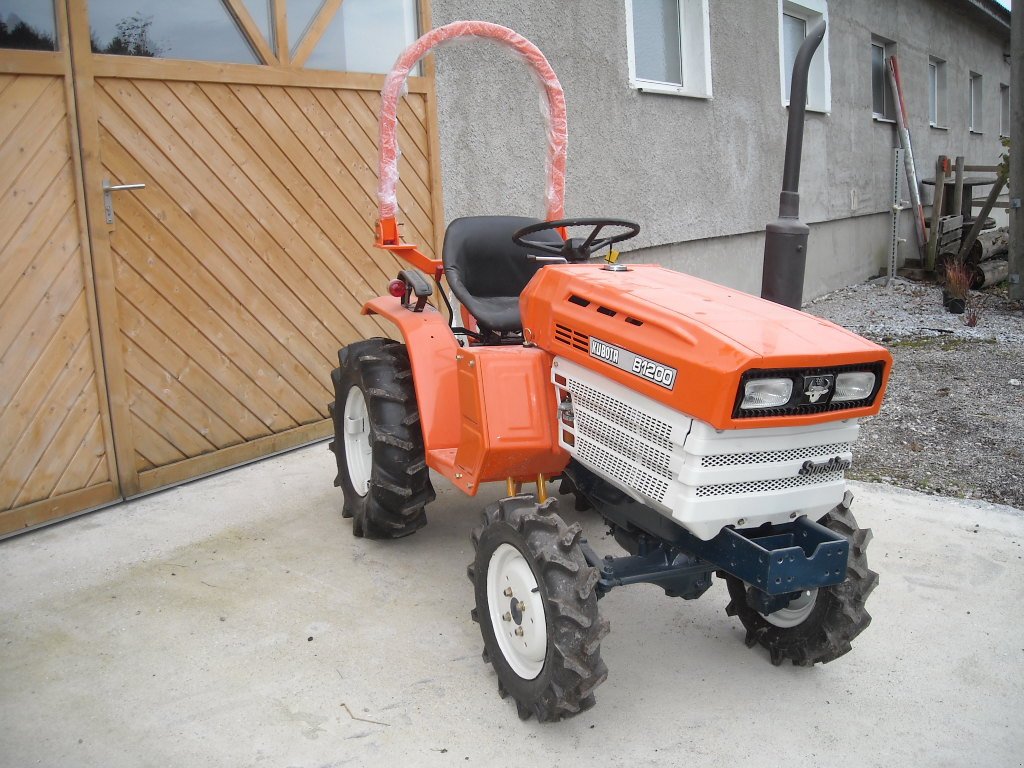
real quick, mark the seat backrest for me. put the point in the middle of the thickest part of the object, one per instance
(488, 263)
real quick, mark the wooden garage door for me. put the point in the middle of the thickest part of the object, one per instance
(227, 284)
(55, 444)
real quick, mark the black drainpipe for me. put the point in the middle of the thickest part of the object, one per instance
(785, 239)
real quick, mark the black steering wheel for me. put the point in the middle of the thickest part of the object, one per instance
(576, 248)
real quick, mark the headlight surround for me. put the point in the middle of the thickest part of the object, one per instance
(854, 385)
(766, 393)
(846, 387)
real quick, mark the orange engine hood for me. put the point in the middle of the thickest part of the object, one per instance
(710, 334)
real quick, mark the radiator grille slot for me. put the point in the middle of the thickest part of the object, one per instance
(769, 457)
(621, 415)
(648, 456)
(630, 475)
(763, 486)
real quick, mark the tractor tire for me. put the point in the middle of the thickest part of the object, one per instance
(382, 469)
(819, 626)
(537, 609)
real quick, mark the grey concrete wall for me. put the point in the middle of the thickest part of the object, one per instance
(692, 169)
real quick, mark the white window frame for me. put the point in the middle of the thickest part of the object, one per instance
(819, 77)
(1004, 110)
(695, 56)
(889, 100)
(937, 67)
(975, 117)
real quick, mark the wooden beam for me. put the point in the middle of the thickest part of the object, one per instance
(31, 62)
(61, 507)
(88, 275)
(252, 32)
(937, 201)
(200, 466)
(104, 271)
(138, 68)
(315, 32)
(279, 11)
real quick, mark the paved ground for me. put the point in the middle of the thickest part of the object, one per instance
(235, 621)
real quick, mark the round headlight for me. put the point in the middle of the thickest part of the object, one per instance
(854, 385)
(766, 393)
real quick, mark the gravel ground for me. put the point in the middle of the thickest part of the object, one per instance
(953, 418)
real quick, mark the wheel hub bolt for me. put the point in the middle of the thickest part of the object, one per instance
(507, 616)
(508, 591)
(522, 607)
(519, 631)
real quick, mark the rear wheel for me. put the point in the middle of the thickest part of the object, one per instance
(378, 443)
(819, 625)
(537, 609)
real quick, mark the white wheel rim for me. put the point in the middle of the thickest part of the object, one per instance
(798, 609)
(514, 603)
(358, 453)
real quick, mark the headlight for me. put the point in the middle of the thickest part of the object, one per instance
(855, 385)
(766, 393)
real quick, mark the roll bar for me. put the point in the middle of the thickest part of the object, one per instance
(388, 236)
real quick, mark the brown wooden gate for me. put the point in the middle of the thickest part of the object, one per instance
(224, 287)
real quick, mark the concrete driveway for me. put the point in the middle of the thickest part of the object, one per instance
(235, 621)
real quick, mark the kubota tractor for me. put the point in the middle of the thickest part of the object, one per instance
(709, 428)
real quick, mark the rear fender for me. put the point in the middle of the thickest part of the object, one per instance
(432, 349)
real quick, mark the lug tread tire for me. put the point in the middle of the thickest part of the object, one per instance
(400, 486)
(838, 615)
(573, 667)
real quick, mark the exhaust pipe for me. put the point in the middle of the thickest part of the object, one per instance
(785, 239)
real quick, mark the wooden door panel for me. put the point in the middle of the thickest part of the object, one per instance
(242, 266)
(53, 432)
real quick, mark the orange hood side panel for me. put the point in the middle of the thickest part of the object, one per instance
(708, 333)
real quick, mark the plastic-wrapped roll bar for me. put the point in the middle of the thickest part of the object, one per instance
(394, 87)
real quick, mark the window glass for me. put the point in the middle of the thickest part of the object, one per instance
(300, 15)
(878, 79)
(975, 89)
(794, 30)
(1004, 110)
(260, 12)
(27, 24)
(656, 37)
(185, 29)
(933, 93)
(367, 36)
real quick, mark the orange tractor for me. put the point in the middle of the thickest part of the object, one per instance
(709, 428)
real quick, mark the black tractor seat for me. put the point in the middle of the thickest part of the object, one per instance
(487, 271)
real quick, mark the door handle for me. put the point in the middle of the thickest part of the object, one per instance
(108, 201)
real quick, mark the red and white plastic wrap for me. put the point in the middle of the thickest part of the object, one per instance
(395, 86)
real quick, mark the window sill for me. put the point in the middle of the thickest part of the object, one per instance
(938, 127)
(977, 133)
(882, 119)
(669, 90)
(817, 110)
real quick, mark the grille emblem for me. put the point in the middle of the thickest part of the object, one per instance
(817, 388)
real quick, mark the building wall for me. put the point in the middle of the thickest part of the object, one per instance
(702, 176)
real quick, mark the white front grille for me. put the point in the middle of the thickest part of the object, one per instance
(765, 486)
(703, 478)
(620, 413)
(770, 457)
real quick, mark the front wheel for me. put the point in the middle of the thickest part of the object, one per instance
(819, 625)
(537, 609)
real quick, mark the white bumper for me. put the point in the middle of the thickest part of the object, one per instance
(703, 478)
